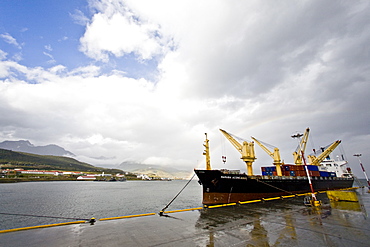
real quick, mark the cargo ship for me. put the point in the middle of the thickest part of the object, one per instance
(231, 186)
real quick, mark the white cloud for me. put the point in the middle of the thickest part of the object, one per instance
(10, 40)
(48, 47)
(3, 55)
(79, 17)
(263, 69)
(120, 32)
(52, 60)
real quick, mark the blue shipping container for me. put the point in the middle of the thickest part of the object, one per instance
(324, 174)
(292, 173)
(270, 168)
(312, 168)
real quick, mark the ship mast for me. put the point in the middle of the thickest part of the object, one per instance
(206, 153)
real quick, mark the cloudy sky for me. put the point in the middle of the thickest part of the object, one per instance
(142, 81)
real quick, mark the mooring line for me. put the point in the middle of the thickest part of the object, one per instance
(269, 199)
(44, 216)
(162, 211)
(41, 226)
(126, 216)
(273, 186)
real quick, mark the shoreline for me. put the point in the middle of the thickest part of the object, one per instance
(16, 180)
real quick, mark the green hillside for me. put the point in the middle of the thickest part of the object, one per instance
(11, 160)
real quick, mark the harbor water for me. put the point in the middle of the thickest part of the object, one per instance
(272, 223)
(87, 199)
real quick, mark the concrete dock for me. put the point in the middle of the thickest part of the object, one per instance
(278, 223)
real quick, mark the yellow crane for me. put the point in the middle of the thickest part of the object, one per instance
(246, 149)
(313, 160)
(297, 155)
(275, 155)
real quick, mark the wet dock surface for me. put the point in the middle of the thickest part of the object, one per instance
(278, 223)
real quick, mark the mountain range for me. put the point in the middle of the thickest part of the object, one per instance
(27, 147)
(12, 159)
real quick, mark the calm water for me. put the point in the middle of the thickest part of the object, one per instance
(86, 199)
(274, 223)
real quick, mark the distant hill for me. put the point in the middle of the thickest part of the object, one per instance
(11, 159)
(155, 170)
(27, 147)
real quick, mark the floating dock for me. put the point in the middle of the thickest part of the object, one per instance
(284, 222)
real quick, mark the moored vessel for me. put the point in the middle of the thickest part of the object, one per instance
(231, 186)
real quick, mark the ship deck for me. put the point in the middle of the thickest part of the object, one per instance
(282, 222)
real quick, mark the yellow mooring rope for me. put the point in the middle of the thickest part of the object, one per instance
(42, 226)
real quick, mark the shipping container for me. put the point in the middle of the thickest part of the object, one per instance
(314, 173)
(270, 168)
(299, 168)
(300, 173)
(324, 174)
(312, 168)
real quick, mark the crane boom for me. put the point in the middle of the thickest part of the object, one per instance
(297, 155)
(234, 142)
(274, 155)
(246, 149)
(317, 160)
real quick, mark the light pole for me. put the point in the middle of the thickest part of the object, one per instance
(363, 169)
(314, 200)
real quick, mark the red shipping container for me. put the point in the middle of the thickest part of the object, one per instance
(314, 173)
(301, 173)
(300, 168)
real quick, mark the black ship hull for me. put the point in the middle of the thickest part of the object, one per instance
(221, 188)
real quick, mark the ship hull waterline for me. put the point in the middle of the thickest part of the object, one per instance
(220, 188)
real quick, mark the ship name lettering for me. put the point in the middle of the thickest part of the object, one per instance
(230, 177)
